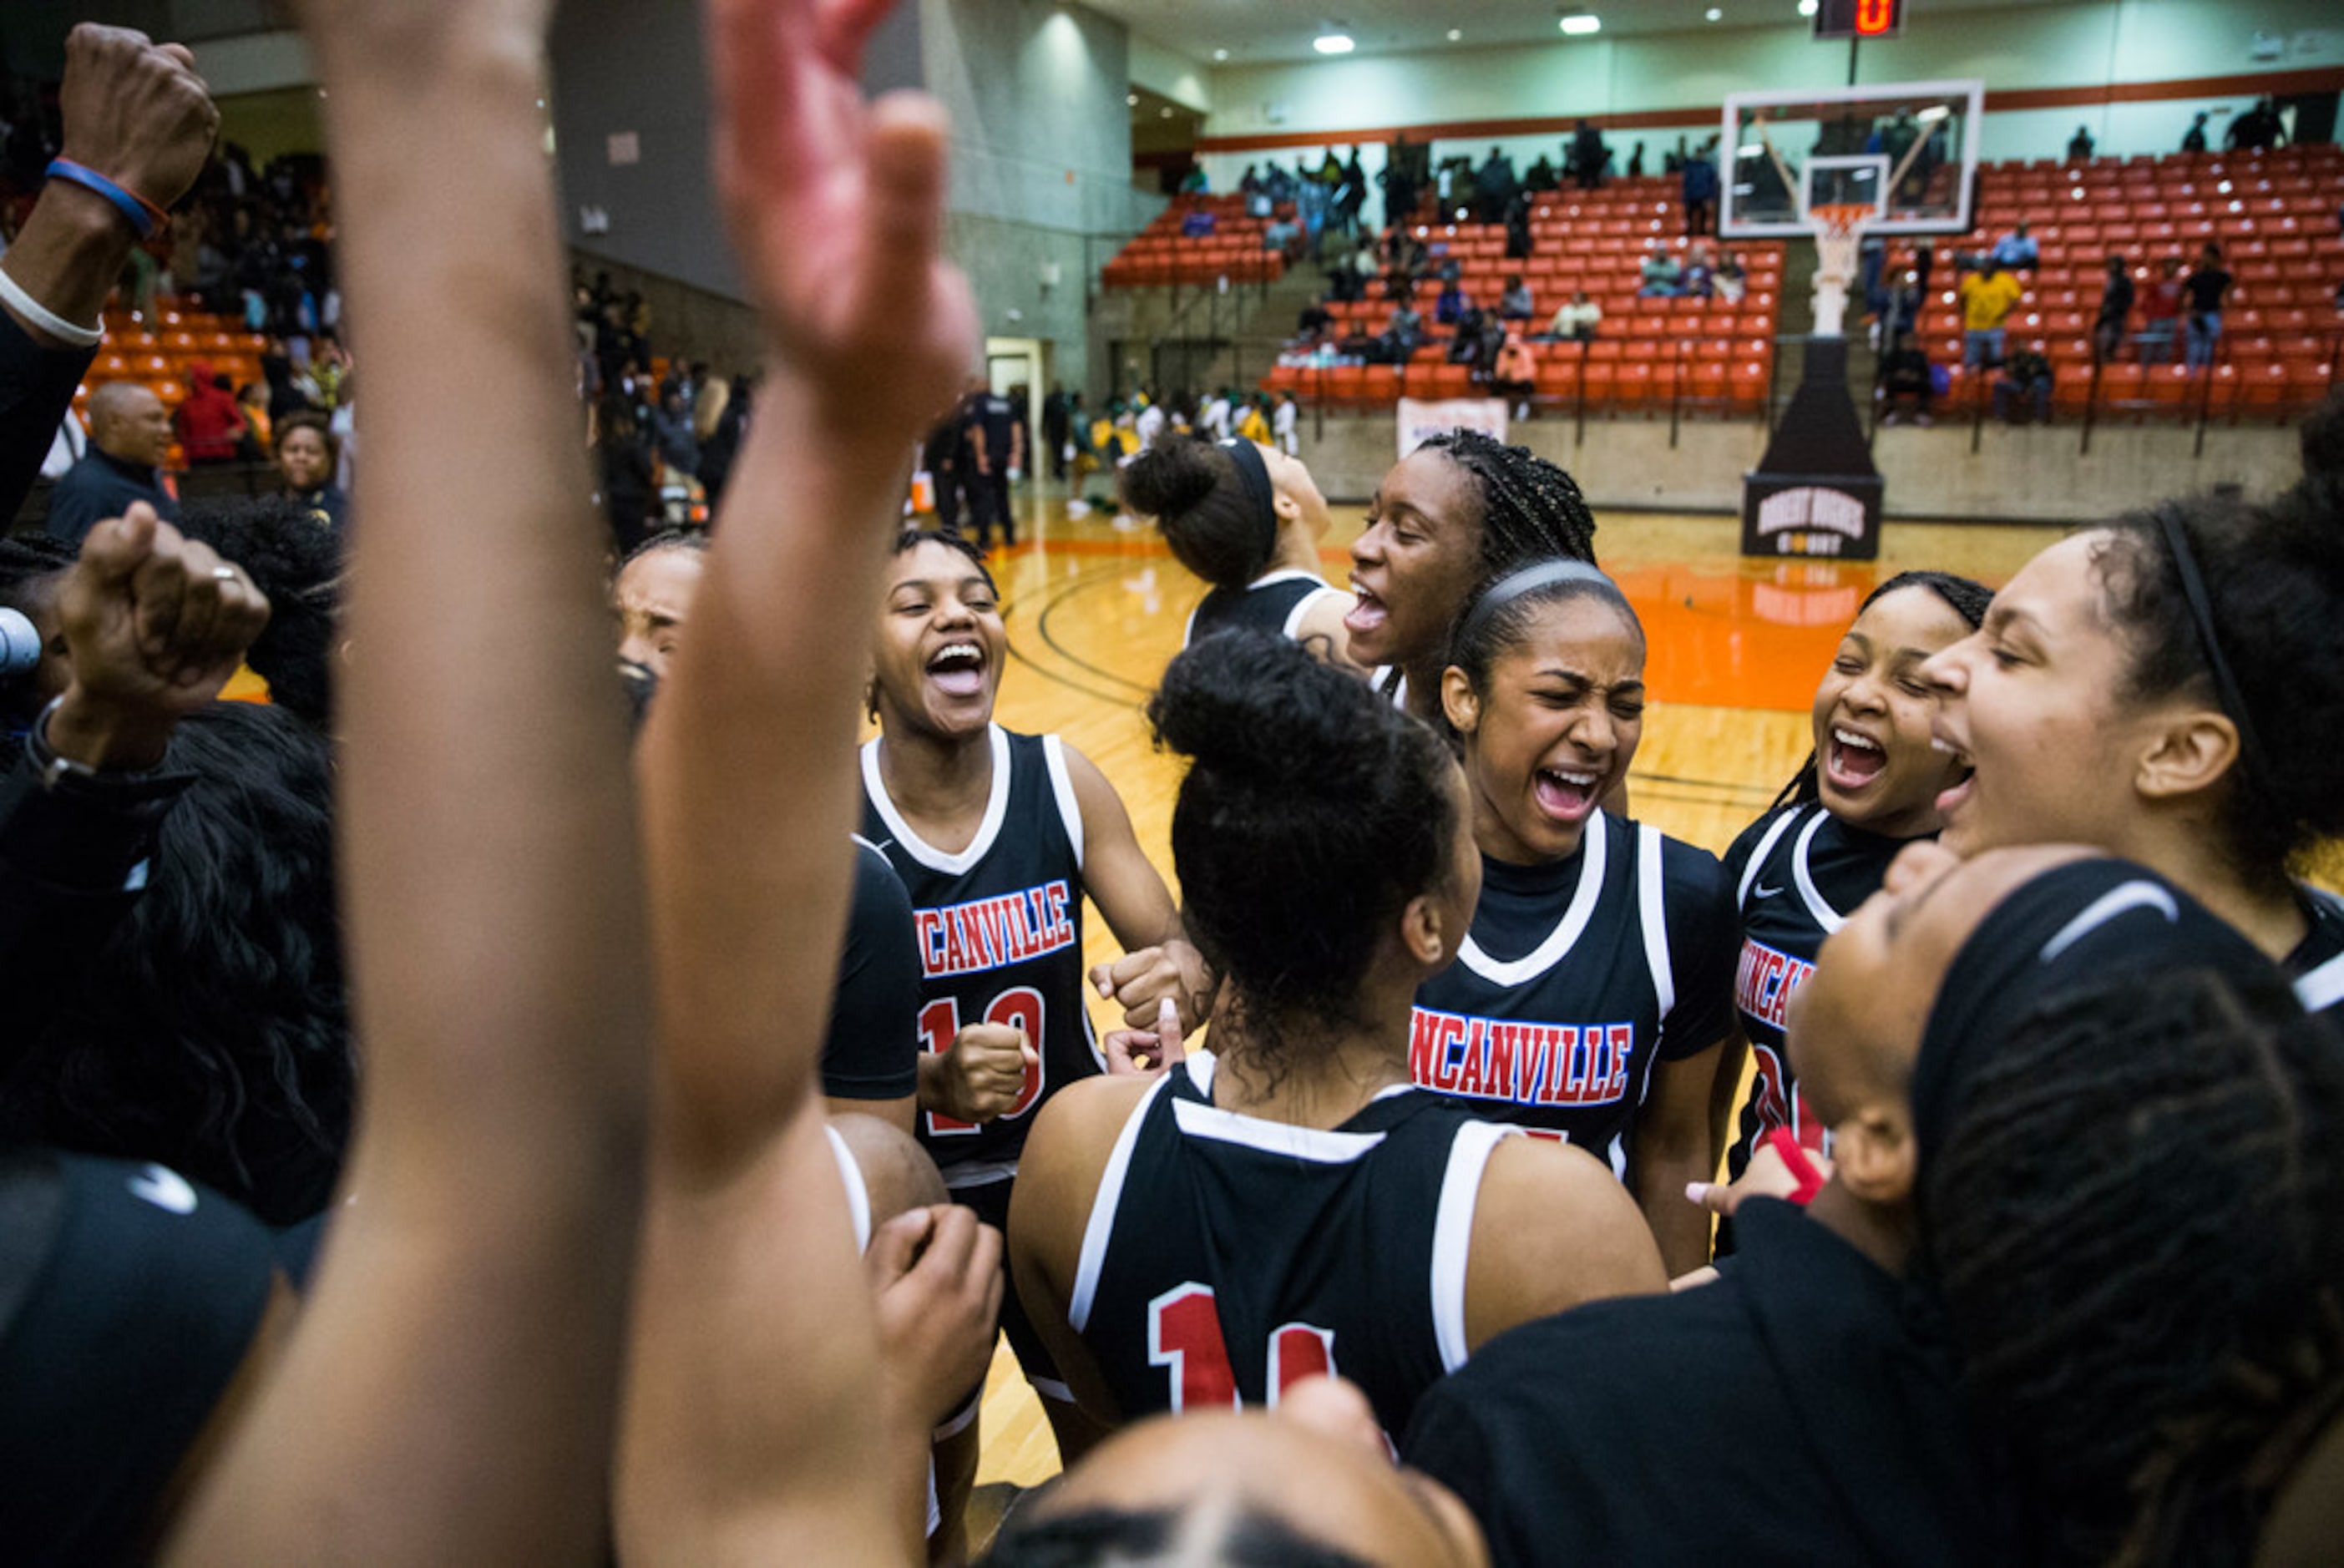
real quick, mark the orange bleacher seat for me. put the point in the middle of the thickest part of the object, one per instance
(1602, 378)
(1633, 388)
(173, 392)
(2261, 385)
(1747, 383)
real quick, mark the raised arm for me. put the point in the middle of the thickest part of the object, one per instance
(451, 1393)
(753, 1431)
(1158, 960)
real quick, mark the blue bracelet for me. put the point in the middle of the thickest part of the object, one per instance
(140, 212)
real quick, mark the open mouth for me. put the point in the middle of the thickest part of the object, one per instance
(958, 670)
(1952, 798)
(1565, 794)
(1852, 760)
(1368, 615)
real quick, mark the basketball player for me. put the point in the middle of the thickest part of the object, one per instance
(1247, 518)
(2170, 687)
(1454, 515)
(997, 837)
(1870, 786)
(2060, 1081)
(1289, 1206)
(1594, 993)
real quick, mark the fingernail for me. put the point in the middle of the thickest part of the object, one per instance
(1697, 1191)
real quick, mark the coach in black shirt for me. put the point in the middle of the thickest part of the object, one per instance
(129, 435)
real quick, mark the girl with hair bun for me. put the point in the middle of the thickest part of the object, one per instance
(2170, 687)
(1248, 518)
(1869, 788)
(1594, 993)
(1453, 516)
(1290, 1205)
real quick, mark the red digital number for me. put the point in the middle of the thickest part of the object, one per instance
(1021, 1009)
(1874, 17)
(1184, 1336)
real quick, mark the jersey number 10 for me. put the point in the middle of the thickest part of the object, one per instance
(1020, 1008)
(1184, 1337)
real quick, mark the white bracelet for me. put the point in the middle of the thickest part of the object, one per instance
(13, 295)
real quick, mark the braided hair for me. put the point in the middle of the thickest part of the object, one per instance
(2131, 1220)
(1966, 597)
(1531, 509)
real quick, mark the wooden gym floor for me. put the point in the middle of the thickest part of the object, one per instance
(1095, 609)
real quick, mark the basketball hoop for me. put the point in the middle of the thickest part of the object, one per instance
(1839, 228)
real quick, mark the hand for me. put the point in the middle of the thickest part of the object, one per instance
(983, 1072)
(836, 214)
(136, 111)
(155, 623)
(1766, 1177)
(1144, 1053)
(1139, 980)
(936, 1279)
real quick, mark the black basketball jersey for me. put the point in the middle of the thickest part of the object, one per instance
(1275, 602)
(1256, 1254)
(1576, 979)
(1000, 930)
(1798, 873)
(2318, 962)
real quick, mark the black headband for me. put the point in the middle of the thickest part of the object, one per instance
(1254, 474)
(2202, 611)
(2076, 924)
(1529, 580)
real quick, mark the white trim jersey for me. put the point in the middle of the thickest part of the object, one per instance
(1253, 1253)
(1798, 873)
(1000, 926)
(2316, 965)
(1275, 602)
(1576, 979)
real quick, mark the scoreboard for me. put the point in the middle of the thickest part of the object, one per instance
(1859, 18)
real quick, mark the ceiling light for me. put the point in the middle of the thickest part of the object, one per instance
(1221, 54)
(1455, 34)
(1714, 15)
(1578, 26)
(1333, 44)
(1131, 100)
(1807, 7)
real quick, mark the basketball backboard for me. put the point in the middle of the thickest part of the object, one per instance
(1907, 149)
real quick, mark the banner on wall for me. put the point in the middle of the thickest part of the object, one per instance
(1420, 421)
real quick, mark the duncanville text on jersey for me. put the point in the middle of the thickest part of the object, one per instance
(989, 933)
(1764, 984)
(1525, 1062)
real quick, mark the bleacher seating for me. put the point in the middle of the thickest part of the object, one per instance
(1163, 253)
(2275, 216)
(157, 353)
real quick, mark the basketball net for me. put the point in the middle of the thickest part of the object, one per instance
(1839, 236)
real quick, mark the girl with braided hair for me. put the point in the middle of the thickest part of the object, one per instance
(1869, 788)
(1248, 518)
(1453, 516)
(2170, 687)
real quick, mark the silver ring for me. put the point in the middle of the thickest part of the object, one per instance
(224, 574)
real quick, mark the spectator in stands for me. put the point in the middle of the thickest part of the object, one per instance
(1514, 374)
(1578, 320)
(1283, 235)
(1253, 425)
(2079, 145)
(2116, 305)
(1351, 195)
(2160, 314)
(1588, 155)
(2258, 130)
(1398, 180)
(1405, 330)
(1988, 297)
(1699, 189)
(1517, 303)
(1451, 304)
(1662, 277)
(129, 437)
(260, 442)
(2015, 250)
(1900, 308)
(209, 422)
(1494, 186)
(623, 466)
(1519, 241)
(1636, 162)
(306, 455)
(1700, 277)
(1907, 378)
(1731, 282)
(2203, 292)
(1541, 177)
(2026, 377)
(1470, 345)
(1284, 423)
(1248, 182)
(2193, 140)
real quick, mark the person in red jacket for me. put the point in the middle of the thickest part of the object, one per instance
(210, 424)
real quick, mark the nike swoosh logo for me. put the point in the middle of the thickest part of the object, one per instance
(166, 1189)
(1762, 891)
